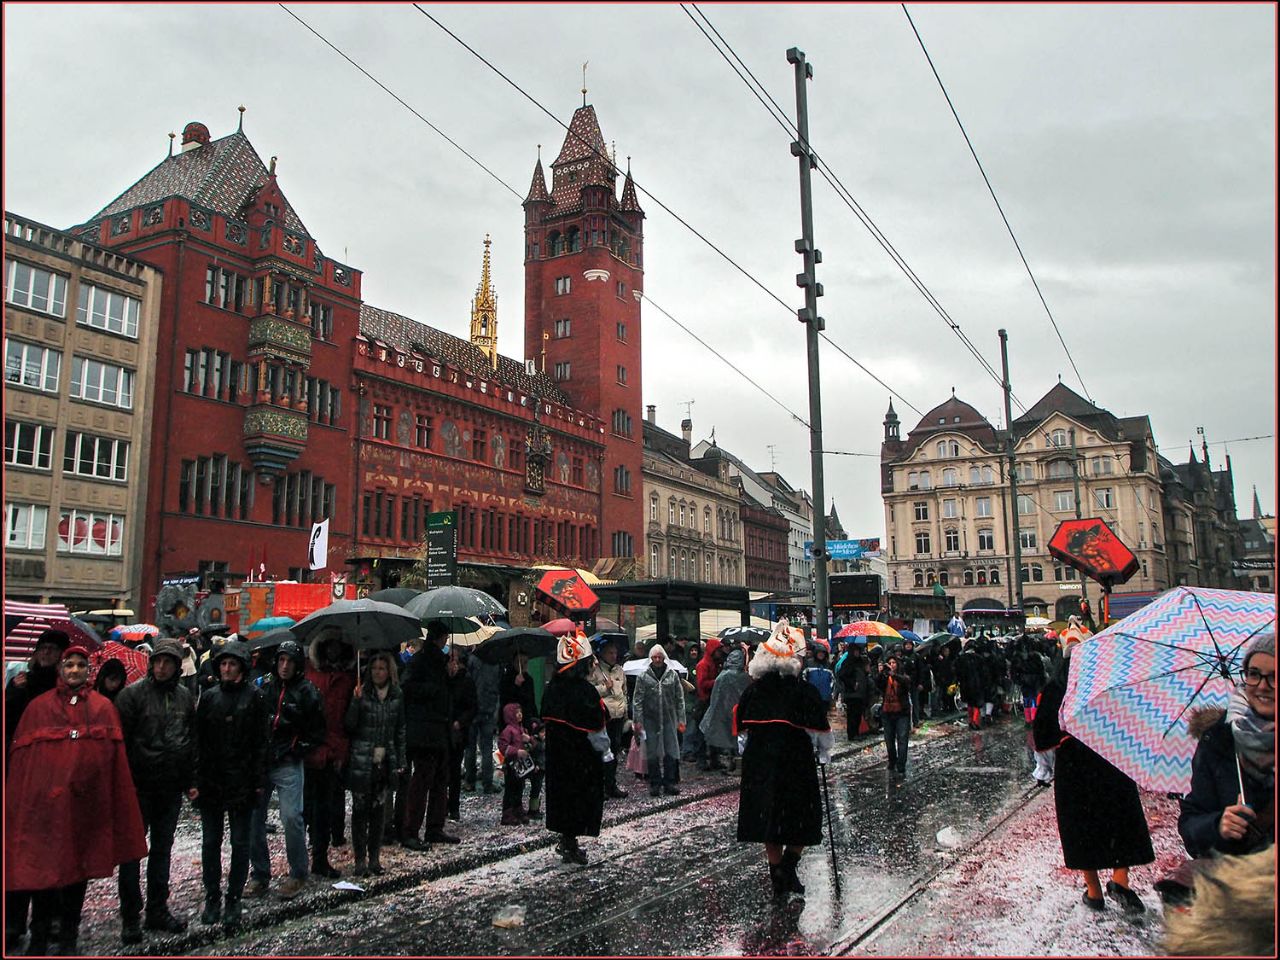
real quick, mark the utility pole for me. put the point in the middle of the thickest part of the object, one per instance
(808, 315)
(1011, 509)
(1075, 478)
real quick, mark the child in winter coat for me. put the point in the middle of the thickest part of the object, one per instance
(538, 753)
(516, 747)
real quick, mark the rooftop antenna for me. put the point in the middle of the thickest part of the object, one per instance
(172, 135)
(688, 408)
(240, 129)
(773, 459)
(584, 83)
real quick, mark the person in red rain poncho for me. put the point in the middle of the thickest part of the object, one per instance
(71, 809)
(708, 669)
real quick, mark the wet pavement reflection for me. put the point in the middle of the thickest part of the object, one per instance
(677, 882)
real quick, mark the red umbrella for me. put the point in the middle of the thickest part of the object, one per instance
(135, 661)
(561, 626)
(565, 591)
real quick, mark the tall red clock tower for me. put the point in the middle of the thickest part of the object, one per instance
(584, 273)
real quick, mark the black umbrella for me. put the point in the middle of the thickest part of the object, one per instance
(528, 641)
(455, 606)
(620, 640)
(364, 624)
(748, 635)
(272, 638)
(397, 595)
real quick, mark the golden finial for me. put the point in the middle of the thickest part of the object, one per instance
(484, 312)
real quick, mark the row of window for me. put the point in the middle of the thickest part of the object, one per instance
(684, 565)
(981, 577)
(215, 486)
(1063, 500)
(231, 291)
(563, 370)
(79, 531)
(98, 307)
(212, 373)
(1025, 471)
(682, 514)
(622, 480)
(622, 424)
(39, 367)
(301, 499)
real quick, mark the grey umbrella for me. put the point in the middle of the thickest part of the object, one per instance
(397, 595)
(365, 624)
(455, 605)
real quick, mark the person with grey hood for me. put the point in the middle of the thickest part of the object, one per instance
(157, 716)
(657, 711)
(717, 722)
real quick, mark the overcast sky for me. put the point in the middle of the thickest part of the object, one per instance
(1132, 148)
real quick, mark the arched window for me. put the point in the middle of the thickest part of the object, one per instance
(671, 511)
(925, 484)
(555, 243)
(682, 516)
(944, 578)
(950, 478)
(930, 578)
(654, 557)
(572, 240)
(988, 476)
(671, 563)
(706, 519)
(1058, 438)
(995, 576)
(653, 507)
(1058, 470)
(968, 577)
(918, 577)
(942, 449)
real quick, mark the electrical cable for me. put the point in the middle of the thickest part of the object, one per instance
(985, 179)
(842, 193)
(684, 223)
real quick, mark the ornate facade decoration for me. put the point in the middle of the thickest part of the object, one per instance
(484, 313)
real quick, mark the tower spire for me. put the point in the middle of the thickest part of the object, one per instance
(584, 83)
(484, 313)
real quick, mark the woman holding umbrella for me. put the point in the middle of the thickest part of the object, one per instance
(577, 749)
(610, 682)
(1100, 819)
(784, 719)
(1230, 809)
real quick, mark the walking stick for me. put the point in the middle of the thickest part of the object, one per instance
(831, 836)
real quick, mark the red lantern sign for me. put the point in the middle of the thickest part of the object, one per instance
(1093, 548)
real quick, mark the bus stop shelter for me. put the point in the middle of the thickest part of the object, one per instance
(673, 606)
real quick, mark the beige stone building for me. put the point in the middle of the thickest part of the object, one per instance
(80, 328)
(693, 526)
(949, 522)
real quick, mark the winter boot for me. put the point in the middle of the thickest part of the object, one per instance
(361, 866)
(232, 914)
(375, 861)
(510, 817)
(777, 881)
(164, 921)
(212, 911)
(535, 808)
(788, 869)
(130, 930)
(523, 814)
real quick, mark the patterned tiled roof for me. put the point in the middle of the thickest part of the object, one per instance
(538, 188)
(583, 143)
(629, 202)
(405, 334)
(222, 175)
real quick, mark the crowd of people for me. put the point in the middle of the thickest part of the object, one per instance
(406, 734)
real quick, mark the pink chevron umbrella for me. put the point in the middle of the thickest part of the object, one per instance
(1132, 685)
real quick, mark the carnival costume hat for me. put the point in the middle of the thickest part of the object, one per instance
(571, 649)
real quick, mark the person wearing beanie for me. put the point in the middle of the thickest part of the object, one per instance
(785, 723)
(67, 766)
(1231, 806)
(1101, 823)
(658, 717)
(577, 750)
(233, 737)
(157, 715)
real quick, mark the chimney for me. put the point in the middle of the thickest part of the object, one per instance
(651, 413)
(686, 428)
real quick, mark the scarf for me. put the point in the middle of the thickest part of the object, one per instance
(1254, 738)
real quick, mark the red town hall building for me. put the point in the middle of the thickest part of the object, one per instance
(281, 398)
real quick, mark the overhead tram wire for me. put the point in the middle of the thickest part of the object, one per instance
(473, 159)
(675, 216)
(991, 190)
(394, 96)
(843, 193)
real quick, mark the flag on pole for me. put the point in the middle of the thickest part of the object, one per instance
(318, 552)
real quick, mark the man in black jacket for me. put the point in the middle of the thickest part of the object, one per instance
(855, 676)
(427, 709)
(233, 739)
(157, 715)
(297, 725)
(41, 676)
